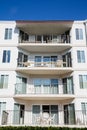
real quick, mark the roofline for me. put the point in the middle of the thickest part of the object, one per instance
(44, 21)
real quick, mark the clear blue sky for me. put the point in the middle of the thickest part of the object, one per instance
(43, 9)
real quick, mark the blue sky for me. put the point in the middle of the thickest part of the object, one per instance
(43, 9)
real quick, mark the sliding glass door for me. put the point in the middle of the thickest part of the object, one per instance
(69, 114)
(21, 84)
(46, 86)
(68, 85)
(18, 117)
(37, 86)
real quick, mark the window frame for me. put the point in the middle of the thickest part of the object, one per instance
(82, 81)
(4, 84)
(81, 56)
(6, 56)
(8, 34)
(79, 33)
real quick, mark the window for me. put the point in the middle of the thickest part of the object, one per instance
(81, 56)
(79, 34)
(6, 56)
(3, 81)
(2, 107)
(83, 81)
(84, 107)
(8, 33)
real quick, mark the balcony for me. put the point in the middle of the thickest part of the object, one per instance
(44, 67)
(43, 92)
(47, 36)
(58, 44)
(75, 118)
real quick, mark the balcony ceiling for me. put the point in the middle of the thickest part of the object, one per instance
(44, 27)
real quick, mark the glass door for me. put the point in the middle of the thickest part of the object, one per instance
(54, 114)
(37, 61)
(21, 59)
(68, 85)
(18, 114)
(46, 61)
(37, 86)
(16, 117)
(46, 86)
(21, 83)
(53, 61)
(69, 114)
(54, 86)
(35, 114)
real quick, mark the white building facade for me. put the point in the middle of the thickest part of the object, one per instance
(43, 73)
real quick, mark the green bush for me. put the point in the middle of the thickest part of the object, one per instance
(39, 128)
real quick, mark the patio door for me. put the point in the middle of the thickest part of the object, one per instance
(52, 110)
(35, 113)
(37, 61)
(69, 114)
(21, 85)
(18, 117)
(22, 58)
(54, 86)
(68, 85)
(67, 60)
(46, 86)
(37, 86)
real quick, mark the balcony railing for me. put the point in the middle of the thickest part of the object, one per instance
(51, 89)
(35, 118)
(60, 39)
(51, 64)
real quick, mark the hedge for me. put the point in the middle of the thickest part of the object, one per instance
(39, 128)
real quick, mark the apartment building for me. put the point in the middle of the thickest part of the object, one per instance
(43, 73)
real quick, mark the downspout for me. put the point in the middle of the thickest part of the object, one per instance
(85, 31)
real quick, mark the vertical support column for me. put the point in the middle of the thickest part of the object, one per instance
(61, 115)
(60, 86)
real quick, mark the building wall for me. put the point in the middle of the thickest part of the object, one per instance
(7, 95)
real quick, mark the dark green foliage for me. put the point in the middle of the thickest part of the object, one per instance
(39, 128)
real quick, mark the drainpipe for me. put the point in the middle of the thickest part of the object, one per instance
(85, 30)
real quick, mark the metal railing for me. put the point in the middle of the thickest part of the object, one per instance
(52, 64)
(61, 39)
(51, 89)
(14, 117)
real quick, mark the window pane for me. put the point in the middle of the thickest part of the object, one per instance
(36, 109)
(46, 58)
(77, 34)
(8, 56)
(2, 106)
(82, 57)
(81, 81)
(4, 56)
(80, 34)
(5, 84)
(85, 81)
(78, 56)
(1, 81)
(8, 33)
(83, 108)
